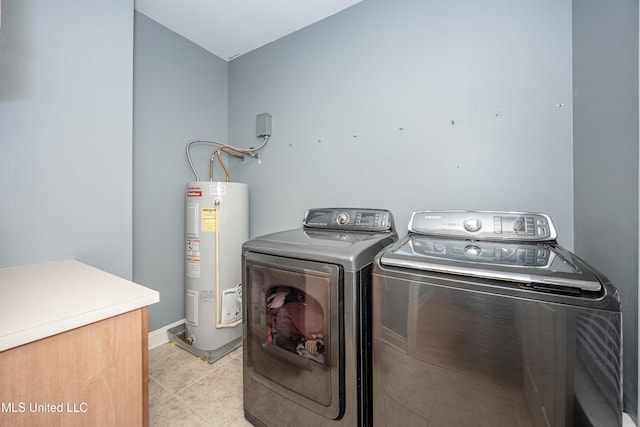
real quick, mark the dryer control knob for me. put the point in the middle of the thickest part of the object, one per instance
(472, 225)
(342, 218)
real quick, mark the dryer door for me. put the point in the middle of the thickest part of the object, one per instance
(292, 331)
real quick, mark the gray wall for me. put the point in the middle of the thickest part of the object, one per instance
(605, 84)
(65, 132)
(412, 105)
(426, 105)
(180, 94)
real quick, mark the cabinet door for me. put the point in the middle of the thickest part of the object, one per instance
(93, 375)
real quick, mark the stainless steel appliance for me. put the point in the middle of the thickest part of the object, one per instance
(307, 329)
(482, 319)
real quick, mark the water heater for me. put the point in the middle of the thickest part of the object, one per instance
(217, 224)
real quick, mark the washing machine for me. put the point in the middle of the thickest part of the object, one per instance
(307, 311)
(482, 319)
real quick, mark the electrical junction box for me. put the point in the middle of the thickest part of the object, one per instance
(263, 125)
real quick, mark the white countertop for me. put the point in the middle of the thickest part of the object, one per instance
(38, 301)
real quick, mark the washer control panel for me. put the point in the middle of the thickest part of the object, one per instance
(484, 225)
(349, 219)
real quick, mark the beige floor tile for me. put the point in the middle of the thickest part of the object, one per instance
(185, 391)
(178, 369)
(174, 413)
(218, 395)
(157, 394)
(160, 353)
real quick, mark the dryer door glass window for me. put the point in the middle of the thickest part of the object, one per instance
(292, 332)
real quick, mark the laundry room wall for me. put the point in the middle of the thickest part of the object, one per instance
(605, 83)
(411, 105)
(65, 132)
(180, 94)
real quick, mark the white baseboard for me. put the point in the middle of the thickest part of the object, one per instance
(160, 336)
(627, 421)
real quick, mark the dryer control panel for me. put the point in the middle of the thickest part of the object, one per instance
(349, 219)
(484, 225)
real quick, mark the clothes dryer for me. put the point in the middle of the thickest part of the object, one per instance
(482, 319)
(307, 329)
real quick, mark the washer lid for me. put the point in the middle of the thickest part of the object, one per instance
(541, 266)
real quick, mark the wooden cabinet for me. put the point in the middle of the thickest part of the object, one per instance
(73, 347)
(93, 375)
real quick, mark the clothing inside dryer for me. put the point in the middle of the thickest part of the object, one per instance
(295, 322)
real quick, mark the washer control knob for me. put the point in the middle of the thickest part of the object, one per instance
(472, 225)
(472, 251)
(342, 218)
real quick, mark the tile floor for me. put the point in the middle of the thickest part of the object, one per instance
(187, 391)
